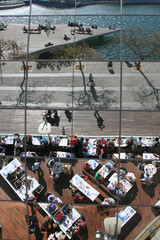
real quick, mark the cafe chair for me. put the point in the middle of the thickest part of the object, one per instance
(59, 217)
(67, 169)
(17, 184)
(67, 208)
(50, 163)
(22, 176)
(39, 189)
(51, 210)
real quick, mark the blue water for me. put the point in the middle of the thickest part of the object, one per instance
(103, 15)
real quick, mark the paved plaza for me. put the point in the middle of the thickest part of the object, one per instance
(53, 89)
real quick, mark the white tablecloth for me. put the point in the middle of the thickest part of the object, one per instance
(22, 191)
(69, 220)
(10, 168)
(150, 169)
(126, 214)
(84, 187)
(9, 140)
(122, 155)
(149, 156)
(122, 142)
(63, 142)
(91, 147)
(104, 171)
(126, 185)
(147, 142)
(36, 141)
(94, 163)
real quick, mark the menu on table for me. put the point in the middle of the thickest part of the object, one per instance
(10, 168)
(104, 171)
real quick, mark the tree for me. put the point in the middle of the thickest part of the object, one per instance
(10, 49)
(142, 43)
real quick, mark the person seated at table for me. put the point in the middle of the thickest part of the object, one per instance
(12, 176)
(79, 226)
(138, 156)
(99, 177)
(147, 178)
(20, 171)
(52, 236)
(51, 207)
(45, 225)
(78, 197)
(1, 150)
(98, 142)
(50, 163)
(87, 167)
(122, 193)
(30, 197)
(67, 168)
(110, 142)
(156, 163)
(139, 142)
(1, 141)
(55, 140)
(122, 173)
(60, 216)
(54, 175)
(108, 201)
(68, 155)
(73, 141)
(111, 186)
(130, 177)
(36, 166)
(28, 180)
(52, 198)
(43, 140)
(155, 141)
(110, 165)
(67, 209)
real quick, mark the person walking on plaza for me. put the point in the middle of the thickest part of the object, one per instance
(91, 83)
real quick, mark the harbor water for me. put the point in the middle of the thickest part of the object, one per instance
(103, 15)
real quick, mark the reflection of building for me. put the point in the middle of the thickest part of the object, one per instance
(7, 4)
(57, 3)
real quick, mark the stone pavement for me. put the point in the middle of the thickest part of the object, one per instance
(66, 87)
(37, 41)
(53, 89)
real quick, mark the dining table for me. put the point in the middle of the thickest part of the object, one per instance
(84, 187)
(150, 169)
(93, 163)
(124, 184)
(104, 171)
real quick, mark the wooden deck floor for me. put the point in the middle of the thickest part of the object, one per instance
(12, 217)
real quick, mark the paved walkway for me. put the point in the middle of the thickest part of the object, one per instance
(37, 41)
